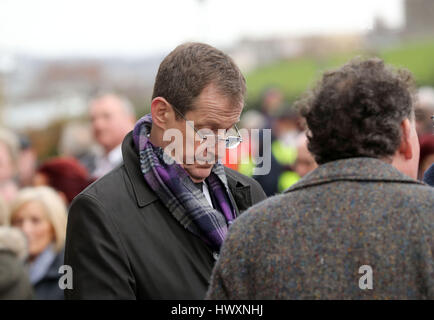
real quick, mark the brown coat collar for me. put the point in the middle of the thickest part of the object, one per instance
(355, 169)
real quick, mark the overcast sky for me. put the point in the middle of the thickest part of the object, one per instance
(141, 27)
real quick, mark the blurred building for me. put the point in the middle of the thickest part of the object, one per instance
(419, 18)
(252, 53)
(34, 92)
(382, 35)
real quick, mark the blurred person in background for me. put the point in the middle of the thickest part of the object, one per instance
(27, 161)
(65, 174)
(426, 153)
(14, 278)
(428, 176)
(250, 120)
(424, 109)
(112, 117)
(305, 161)
(283, 149)
(9, 154)
(76, 140)
(41, 214)
(152, 228)
(360, 226)
(271, 101)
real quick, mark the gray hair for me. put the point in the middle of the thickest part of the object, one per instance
(425, 99)
(75, 139)
(124, 102)
(12, 239)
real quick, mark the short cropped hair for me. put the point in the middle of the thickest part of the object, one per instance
(123, 101)
(191, 67)
(357, 110)
(55, 209)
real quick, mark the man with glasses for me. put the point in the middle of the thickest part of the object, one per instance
(153, 227)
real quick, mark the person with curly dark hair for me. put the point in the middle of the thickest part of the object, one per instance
(358, 111)
(360, 226)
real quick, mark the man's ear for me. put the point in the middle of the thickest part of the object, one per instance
(405, 147)
(161, 112)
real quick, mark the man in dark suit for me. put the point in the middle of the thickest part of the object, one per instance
(152, 228)
(360, 226)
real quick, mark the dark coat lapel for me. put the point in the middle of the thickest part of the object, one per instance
(239, 192)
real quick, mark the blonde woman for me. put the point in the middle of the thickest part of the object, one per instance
(41, 214)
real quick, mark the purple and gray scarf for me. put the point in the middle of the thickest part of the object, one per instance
(177, 191)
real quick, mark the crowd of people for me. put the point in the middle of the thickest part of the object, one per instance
(35, 196)
(345, 189)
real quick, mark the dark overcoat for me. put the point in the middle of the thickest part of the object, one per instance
(123, 243)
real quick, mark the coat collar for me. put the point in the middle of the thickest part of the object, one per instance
(145, 195)
(240, 193)
(353, 169)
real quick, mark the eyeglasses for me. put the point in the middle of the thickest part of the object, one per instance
(231, 139)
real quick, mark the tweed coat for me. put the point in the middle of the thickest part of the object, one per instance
(311, 241)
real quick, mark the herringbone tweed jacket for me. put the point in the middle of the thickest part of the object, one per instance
(310, 242)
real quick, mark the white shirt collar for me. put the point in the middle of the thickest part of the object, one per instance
(115, 155)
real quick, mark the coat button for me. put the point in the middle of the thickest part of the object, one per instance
(215, 255)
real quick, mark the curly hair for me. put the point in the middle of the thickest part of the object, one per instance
(357, 110)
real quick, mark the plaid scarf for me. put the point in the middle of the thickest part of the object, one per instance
(177, 191)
